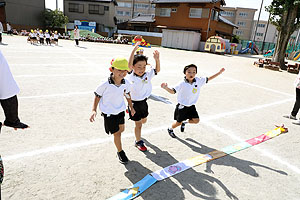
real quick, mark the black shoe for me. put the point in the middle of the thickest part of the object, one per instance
(182, 126)
(290, 117)
(171, 133)
(16, 125)
(122, 157)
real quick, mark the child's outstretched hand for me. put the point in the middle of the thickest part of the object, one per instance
(137, 45)
(222, 70)
(93, 116)
(164, 85)
(156, 55)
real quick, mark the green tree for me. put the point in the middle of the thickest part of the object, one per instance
(285, 15)
(54, 18)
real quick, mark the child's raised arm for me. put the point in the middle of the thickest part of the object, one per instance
(130, 61)
(94, 110)
(157, 61)
(165, 86)
(217, 74)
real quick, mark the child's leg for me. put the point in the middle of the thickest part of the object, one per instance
(117, 137)
(194, 121)
(10, 108)
(138, 128)
(176, 124)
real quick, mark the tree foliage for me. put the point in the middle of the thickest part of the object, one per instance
(54, 18)
(285, 15)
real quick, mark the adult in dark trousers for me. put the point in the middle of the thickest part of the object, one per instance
(296, 107)
(8, 96)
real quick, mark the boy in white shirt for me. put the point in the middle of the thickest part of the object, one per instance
(41, 36)
(55, 37)
(141, 89)
(8, 96)
(188, 92)
(47, 36)
(111, 94)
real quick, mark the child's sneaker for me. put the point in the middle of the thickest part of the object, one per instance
(182, 126)
(140, 145)
(122, 157)
(297, 122)
(290, 117)
(171, 133)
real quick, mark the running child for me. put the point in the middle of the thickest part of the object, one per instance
(188, 92)
(110, 97)
(141, 89)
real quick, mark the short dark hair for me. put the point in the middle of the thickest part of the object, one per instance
(189, 66)
(138, 58)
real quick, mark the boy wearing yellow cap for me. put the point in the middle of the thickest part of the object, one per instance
(47, 36)
(110, 97)
(41, 36)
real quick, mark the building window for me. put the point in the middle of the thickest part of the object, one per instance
(214, 15)
(106, 8)
(227, 13)
(96, 9)
(123, 4)
(259, 34)
(119, 12)
(174, 10)
(243, 14)
(153, 6)
(141, 6)
(241, 23)
(261, 25)
(165, 12)
(239, 32)
(195, 12)
(75, 7)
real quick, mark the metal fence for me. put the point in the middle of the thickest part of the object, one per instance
(268, 45)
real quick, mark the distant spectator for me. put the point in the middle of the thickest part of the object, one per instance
(76, 35)
(9, 28)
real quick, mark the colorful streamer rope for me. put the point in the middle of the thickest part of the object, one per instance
(139, 187)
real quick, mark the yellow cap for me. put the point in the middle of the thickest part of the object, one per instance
(47, 31)
(41, 31)
(31, 31)
(139, 49)
(55, 32)
(120, 63)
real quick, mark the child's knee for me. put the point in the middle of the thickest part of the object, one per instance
(195, 120)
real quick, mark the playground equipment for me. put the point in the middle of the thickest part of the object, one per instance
(269, 53)
(139, 38)
(250, 47)
(215, 44)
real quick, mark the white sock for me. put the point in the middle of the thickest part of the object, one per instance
(170, 128)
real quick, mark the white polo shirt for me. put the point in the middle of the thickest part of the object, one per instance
(8, 85)
(112, 96)
(141, 86)
(297, 81)
(47, 35)
(188, 93)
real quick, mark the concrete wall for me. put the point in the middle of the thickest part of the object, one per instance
(103, 21)
(25, 13)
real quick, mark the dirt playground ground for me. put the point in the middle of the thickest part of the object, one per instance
(63, 156)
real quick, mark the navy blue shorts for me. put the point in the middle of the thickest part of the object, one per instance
(112, 122)
(141, 110)
(182, 114)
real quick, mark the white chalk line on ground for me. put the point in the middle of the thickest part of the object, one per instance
(146, 132)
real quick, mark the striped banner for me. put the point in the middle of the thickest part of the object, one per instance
(179, 167)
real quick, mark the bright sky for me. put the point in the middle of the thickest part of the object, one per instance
(229, 3)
